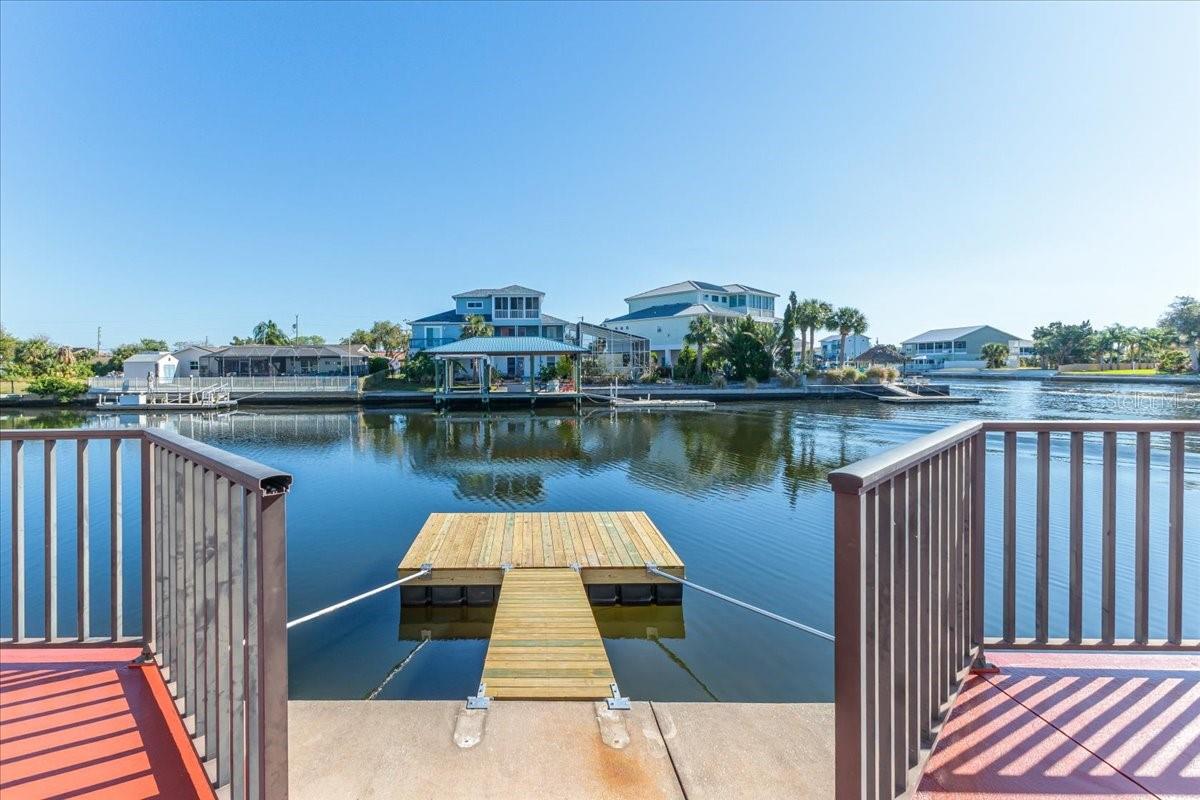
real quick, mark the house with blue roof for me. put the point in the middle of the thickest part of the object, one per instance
(663, 315)
(511, 310)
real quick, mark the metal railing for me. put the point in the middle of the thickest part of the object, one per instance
(279, 383)
(909, 577)
(213, 586)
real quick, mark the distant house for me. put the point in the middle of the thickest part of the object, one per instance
(142, 367)
(958, 347)
(264, 360)
(663, 315)
(856, 344)
(511, 311)
(881, 355)
(189, 359)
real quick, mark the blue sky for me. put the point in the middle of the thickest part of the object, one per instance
(183, 171)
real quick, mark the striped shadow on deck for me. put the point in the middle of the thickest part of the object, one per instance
(545, 644)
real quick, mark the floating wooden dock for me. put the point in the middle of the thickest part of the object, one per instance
(544, 571)
(545, 644)
(473, 549)
(928, 399)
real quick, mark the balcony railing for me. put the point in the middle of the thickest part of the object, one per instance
(213, 585)
(910, 576)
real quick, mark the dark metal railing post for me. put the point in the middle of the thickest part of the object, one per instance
(272, 662)
(849, 607)
(978, 503)
(149, 632)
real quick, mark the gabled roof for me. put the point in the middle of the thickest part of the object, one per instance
(691, 286)
(950, 334)
(741, 287)
(515, 288)
(674, 310)
(835, 337)
(504, 346)
(146, 358)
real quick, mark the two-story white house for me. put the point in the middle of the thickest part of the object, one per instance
(663, 315)
(856, 345)
(511, 311)
(960, 347)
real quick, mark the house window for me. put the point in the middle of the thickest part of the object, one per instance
(501, 306)
(193, 365)
(960, 346)
(474, 304)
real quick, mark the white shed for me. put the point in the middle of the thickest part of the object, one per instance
(140, 367)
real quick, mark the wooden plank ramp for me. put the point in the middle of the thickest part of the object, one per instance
(545, 644)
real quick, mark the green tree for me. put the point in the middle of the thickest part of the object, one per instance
(475, 326)
(995, 354)
(388, 335)
(787, 333)
(701, 332)
(742, 344)
(1182, 318)
(311, 339)
(1060, 344)
(268, 332)
(810, 315)
(36, 356)
(846, 321)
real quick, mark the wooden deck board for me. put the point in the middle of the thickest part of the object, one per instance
(610, 546)
(545, 643)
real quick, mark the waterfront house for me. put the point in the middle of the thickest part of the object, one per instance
(189, 359)
(956, 347)
(663, 315)
(264, 360)
(511, 311)
(856, 345)
(141, 367)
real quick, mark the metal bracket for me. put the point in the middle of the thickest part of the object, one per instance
(479, 699)
(505, 566)
(428, 568)
(983, 667)
(616, 702)
(650, 567)
(145, 659)
(575, 565)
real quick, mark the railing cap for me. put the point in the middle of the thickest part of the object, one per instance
(873, 469)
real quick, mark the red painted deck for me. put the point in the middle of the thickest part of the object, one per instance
(1059, 725)
(79, 723)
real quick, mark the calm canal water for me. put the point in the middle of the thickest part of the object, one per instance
(740, 492)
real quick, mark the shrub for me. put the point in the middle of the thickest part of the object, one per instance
(548, 372)
(718, 380)
(650, 377)
(876, 374)
(892, 374)
(56, 386)
(419, 369)
(1174, 362)
(751, 383)
(844, 375)
(565, 368)
(377, 364)
(787, 380)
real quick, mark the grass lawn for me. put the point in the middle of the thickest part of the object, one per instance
(380, 383)
(1116, 372)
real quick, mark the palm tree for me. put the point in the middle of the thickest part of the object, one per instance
(810, 315)
(701, 331)
(269, 333)
(846, 321)
(476, 326)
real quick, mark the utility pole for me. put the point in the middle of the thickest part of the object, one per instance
(97, 341)
(296, 328)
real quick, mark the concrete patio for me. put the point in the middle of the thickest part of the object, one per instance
(549, 750)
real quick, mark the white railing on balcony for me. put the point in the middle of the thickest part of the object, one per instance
(213, 584)
(910, 576)
(239, 385)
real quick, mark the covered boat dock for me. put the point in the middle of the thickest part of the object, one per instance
(480, 381)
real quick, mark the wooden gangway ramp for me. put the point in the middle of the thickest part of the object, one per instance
(545, 644)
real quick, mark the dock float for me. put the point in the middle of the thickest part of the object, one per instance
(471, 552)
(544, 643)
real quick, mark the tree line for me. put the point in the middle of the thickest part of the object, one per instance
(1173, 345)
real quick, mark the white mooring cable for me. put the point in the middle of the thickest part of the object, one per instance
(425, 570)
